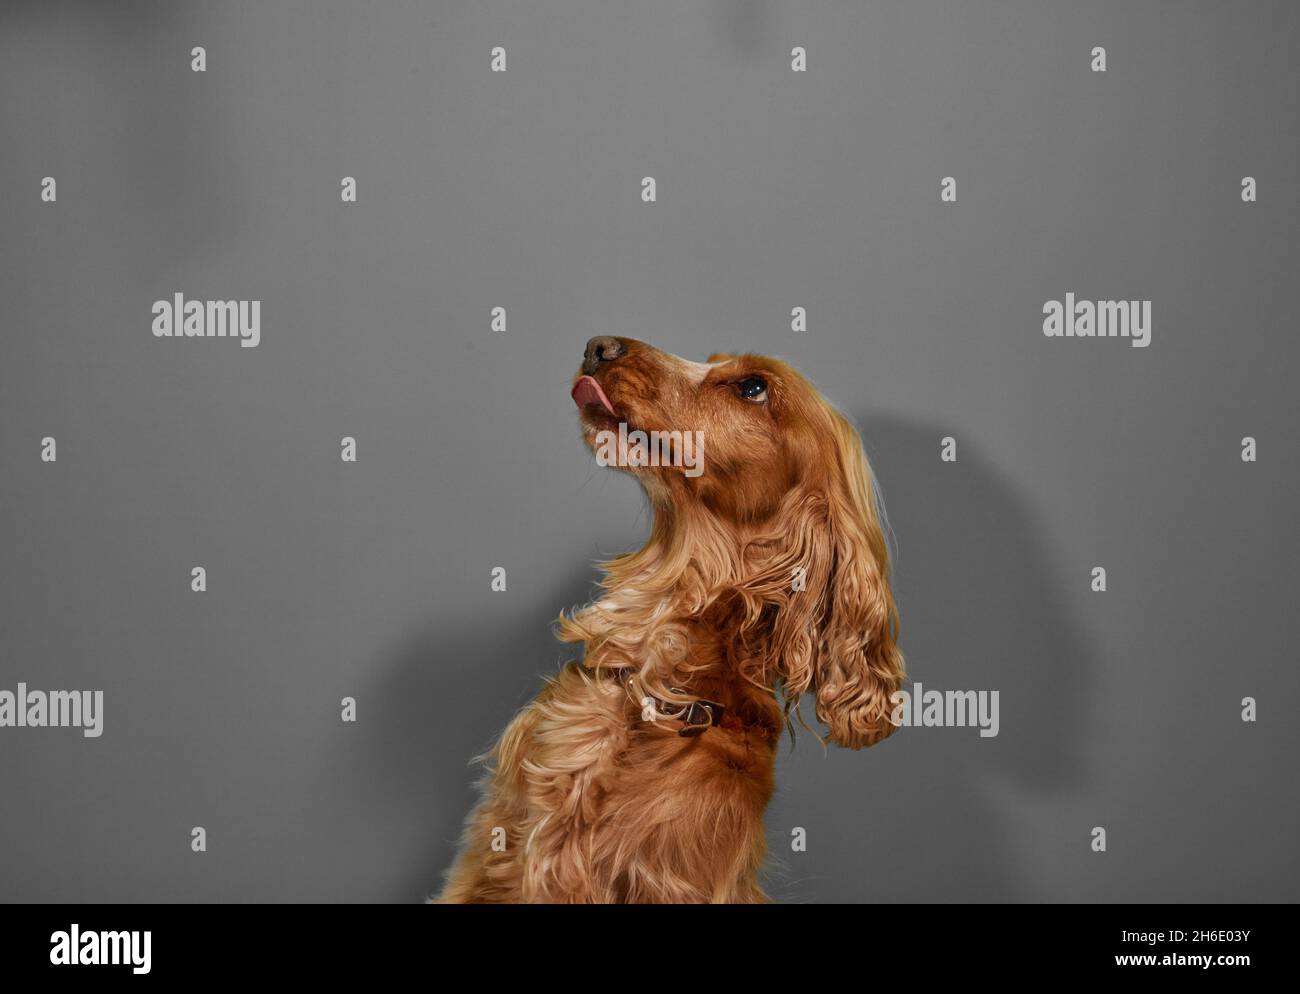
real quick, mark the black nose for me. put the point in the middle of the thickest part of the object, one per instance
(602, 348)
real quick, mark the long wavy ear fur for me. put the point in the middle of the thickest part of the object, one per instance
(837, 637)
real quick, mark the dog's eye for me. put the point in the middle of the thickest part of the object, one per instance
(753, 388)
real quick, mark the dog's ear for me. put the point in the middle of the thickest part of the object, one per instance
(860, 667)
(720, 357)
(836, 637)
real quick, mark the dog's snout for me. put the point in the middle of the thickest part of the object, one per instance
(601, 349)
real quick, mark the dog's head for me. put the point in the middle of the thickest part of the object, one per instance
(764, 501)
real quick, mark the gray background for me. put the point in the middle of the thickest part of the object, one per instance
(521, 190)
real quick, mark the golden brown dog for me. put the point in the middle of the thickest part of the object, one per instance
(641, 774)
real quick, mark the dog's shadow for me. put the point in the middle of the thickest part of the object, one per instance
(941, 814)
(930, 814)
(443, 696)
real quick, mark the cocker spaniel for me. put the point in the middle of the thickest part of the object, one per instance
(641, 773)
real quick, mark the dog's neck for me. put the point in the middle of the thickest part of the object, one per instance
(679, 606)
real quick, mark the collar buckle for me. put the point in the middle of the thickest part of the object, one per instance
(697, 717)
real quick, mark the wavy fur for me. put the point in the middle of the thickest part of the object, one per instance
(586, 800)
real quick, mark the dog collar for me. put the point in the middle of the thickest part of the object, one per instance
(697, 717)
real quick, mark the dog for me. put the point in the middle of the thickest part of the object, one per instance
(640, 774)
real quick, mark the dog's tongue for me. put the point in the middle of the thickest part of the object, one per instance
(587, 391)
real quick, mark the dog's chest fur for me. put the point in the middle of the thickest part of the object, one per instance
(589, 801)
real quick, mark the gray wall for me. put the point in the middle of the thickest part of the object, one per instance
(521, 190)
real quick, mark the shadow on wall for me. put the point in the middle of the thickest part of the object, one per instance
(980, 608)
(980, 595)
(443, 700)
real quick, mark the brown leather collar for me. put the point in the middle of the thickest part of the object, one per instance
(697, 716)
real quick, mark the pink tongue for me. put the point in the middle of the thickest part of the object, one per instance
(587, 391)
